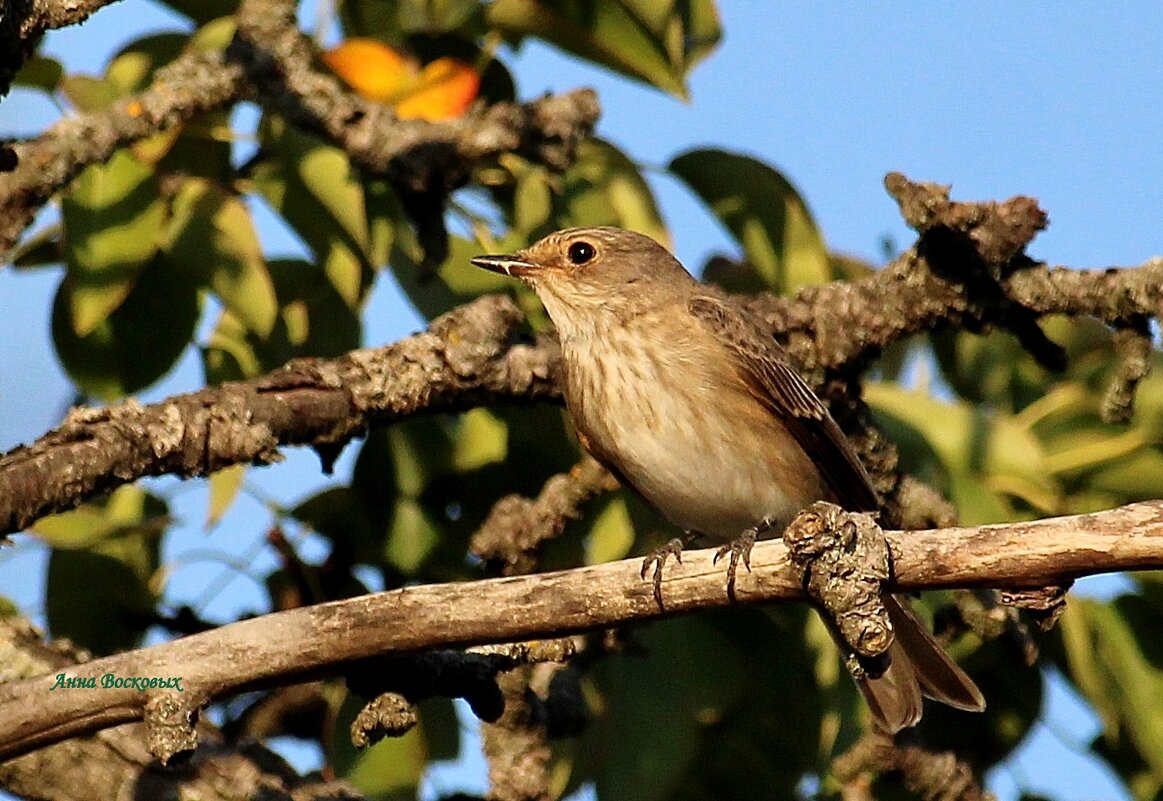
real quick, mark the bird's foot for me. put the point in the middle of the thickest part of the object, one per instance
(657, 560)
(740, 551)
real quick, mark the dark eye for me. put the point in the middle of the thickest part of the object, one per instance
(581, 252)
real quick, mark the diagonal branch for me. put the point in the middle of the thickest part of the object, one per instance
(417, 156)
(309, 641)
(193, 83)
(466, 358)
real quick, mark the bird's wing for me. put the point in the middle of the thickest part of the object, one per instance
(776, 384)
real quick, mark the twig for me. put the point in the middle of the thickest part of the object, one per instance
(300, 643)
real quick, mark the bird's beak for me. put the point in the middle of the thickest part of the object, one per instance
(509, 264)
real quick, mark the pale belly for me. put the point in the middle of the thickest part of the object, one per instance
(704, 453)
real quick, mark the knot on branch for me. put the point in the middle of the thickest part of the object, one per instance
(396, 684)
(998, 231)
(169, 719)
(845, 559)
(475, 333)
(1044, 604)
(387, 715)
(934, 775)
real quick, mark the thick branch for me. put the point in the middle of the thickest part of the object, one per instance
(304, 642)
(126, 767)
(465, 359)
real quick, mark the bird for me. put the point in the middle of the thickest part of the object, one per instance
(689, 401)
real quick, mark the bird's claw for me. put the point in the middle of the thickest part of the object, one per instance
(657, 560)
(740, 551)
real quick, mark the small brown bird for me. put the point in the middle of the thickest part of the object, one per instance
(688, 400)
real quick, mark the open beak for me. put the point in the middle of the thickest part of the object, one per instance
(511, 265)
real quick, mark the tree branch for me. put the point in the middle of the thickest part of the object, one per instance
(193, 83)
(23, 22)
(416, 155)
(466, 358)
(300, 643)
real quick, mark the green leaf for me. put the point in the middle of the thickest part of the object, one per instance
(648, 41)
(314, 187)
(40, 72)
(313, 320)
(212, 236)
(101, 569)
(604, 187)
(134, 65)
(764, 213)
(1126, 680)
(112, 216)
(611, 535)
(225, 484)
(87, 93)
(136, 344)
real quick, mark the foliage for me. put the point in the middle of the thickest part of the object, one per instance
(163, 235)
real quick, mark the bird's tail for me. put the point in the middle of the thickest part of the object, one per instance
(918, 666)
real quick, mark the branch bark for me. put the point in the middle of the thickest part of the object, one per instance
(467, 357)
(309, 641)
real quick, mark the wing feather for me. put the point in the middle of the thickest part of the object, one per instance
(776, 384)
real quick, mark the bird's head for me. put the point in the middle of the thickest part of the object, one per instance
(586, 268)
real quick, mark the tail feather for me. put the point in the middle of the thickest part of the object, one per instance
(917, 666)
(940, 677)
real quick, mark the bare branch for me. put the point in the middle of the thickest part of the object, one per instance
(105, 764)
(300, 643)
(190, 85)
(464, 359)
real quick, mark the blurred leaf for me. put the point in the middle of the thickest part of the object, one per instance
(611, 535)
(43, 248)
(396, 19)
(211, 235)
(412, 534)
(134, 65)
(316, 190)
(136, 344)
(441, 89)
(481, 439)
(441, 728)
(972, 446)
(764, 213)
(87, 93)
(202, 11)
(313, 320)
(40, 72)
(706, 702)
(104, 557)
(1125, 679)
(225, 485)
(649, 41)
(112, 216)
(604, 187)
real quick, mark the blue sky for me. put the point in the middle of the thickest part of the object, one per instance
(1059, 101)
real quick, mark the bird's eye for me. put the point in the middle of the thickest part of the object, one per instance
(581, 252)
